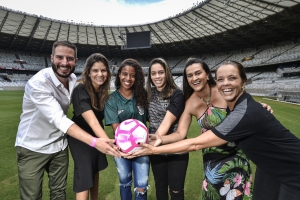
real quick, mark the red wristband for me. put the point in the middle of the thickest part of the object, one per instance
(94, 142)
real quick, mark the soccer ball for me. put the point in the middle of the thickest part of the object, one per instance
(129, 133)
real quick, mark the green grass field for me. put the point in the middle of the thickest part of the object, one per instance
(11, 108)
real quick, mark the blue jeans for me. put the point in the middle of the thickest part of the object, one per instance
(140, 168)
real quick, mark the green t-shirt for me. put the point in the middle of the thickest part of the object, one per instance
(117, 109)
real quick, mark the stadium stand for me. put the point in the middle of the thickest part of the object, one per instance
(80, 65)
(33, 62)
(7, 61)
(263, 37)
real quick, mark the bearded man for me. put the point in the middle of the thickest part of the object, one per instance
(41, 140)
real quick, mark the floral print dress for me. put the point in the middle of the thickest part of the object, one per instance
(227, 172)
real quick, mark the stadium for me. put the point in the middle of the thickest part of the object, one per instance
(262, 35)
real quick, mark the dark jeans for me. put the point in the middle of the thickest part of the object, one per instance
(169, 173)
(267, 187)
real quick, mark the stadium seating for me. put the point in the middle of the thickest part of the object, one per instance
(33, 62)
(7, 60)
(283, 82)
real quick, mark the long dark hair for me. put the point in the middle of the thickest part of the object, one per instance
(140, 93)
(97, 102)
(170, 85)
(187, 89)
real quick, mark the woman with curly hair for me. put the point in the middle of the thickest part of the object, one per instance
(88, 100)
(129, 101)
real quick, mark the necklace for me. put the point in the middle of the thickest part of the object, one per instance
(209, 98)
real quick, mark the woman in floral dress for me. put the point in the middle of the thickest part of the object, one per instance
(227, 172)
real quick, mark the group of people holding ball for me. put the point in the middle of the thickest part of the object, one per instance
(233, 129)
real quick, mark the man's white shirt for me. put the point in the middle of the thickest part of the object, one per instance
(45, 105)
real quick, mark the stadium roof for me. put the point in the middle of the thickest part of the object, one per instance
(206, 28)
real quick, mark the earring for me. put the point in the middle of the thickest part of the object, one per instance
(207, 78)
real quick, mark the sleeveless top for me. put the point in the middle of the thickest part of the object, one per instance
(211, 118)
(227, 172)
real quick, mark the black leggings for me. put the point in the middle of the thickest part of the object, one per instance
(169, 173)
(266, 187)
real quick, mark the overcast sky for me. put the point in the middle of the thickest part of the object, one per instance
(102, 12)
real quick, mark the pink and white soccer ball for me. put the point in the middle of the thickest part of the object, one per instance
(129, 133)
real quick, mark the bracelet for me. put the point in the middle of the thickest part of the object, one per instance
(94, 142)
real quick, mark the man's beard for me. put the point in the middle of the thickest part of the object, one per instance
(54, 67)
